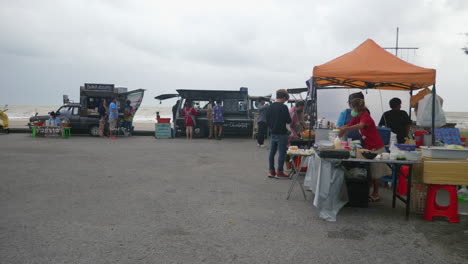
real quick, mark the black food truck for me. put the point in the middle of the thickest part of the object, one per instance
(84, 116)
(239, 109)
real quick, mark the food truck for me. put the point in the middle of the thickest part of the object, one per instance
(239, 109)
(84, 116)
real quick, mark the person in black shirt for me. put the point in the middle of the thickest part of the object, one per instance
(102, 110)
(277, 117)
(174, 110)
(174, 116)
(397, 120)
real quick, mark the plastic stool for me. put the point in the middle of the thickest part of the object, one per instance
(433, 209)
(66, 132)
(298, 162)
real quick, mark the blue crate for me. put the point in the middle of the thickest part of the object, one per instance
(384, 134)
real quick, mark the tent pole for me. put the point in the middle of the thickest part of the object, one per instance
(313, 111)
(411, 95)
(433, 113)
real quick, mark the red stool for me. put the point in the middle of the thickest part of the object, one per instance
(433, 209)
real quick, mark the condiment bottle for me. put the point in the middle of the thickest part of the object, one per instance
(337, 143)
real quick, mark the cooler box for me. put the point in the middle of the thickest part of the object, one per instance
(163, 130)
(164, 120)
(445, 171)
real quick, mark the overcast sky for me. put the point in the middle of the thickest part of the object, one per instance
(50, 48)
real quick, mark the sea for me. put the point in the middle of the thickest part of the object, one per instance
(147, 114)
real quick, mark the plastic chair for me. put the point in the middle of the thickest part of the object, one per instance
(66, 132)
(434, 209)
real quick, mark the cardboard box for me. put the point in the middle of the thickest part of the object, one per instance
(445, 171)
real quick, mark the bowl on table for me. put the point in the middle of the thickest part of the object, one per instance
(369, 154)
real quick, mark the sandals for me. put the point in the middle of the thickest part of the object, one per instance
(372, 199)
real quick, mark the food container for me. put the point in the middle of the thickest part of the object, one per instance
(443, 153)
(406, 147)
(413, 155)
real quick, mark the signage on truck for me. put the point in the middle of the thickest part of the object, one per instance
(237, 125)
(99, 87)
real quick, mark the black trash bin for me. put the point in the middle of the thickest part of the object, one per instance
(358, 193)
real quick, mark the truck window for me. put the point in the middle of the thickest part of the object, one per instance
(76, 111)
(242, 106)
(64, 110)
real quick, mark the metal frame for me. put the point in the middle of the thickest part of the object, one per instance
(349, 84)
(295, 176)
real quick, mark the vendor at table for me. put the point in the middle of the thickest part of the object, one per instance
(363, 122)
(53, 119)
(345, 117)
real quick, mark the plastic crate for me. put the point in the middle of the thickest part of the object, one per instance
(406, 147)
(418, 197)
(384, 134)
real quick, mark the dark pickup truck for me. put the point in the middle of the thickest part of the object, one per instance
(83, 116)
(239, 109)
(79, 124)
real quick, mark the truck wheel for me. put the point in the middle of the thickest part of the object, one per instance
(199, 132)
(94, 130)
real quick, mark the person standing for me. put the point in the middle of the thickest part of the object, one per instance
(102, 110)
(345, 117)
(297, 120)
(277, 118)
(261, 121)
(113, 116)
(209, 118)
(397, 120)
(218, 119)
(129, 112)
(363, 122)
(189, 114)
(175, 108)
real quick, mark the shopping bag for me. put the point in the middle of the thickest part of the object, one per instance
(424, 114)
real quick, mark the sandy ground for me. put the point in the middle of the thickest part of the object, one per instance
(142, 200)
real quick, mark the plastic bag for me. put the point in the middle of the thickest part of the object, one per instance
(424, 114)
(357, 174)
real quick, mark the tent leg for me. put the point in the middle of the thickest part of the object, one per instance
(411, 95)
(434, 94)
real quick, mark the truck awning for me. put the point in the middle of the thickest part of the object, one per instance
(166, 96)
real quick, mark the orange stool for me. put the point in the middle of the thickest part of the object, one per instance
(433, 209)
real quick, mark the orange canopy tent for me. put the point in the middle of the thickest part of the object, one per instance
(369, 66)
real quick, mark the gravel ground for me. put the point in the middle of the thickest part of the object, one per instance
(142, 200)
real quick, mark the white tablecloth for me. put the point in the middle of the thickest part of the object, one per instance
(328, 184)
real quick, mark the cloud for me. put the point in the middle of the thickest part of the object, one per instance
(52, 47)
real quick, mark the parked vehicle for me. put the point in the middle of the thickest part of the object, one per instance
(239, 110)
(83, 116)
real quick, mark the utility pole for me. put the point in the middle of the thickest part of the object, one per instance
(396, 48)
